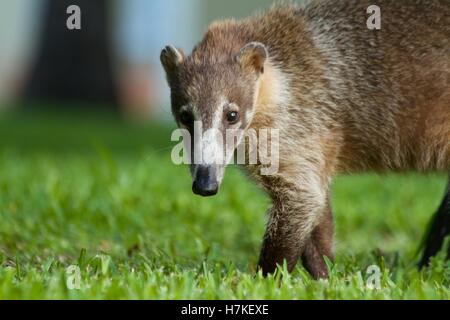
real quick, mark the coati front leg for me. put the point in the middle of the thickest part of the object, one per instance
(320, 245)
(299, 226)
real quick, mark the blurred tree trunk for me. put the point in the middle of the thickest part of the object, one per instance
(74, 66)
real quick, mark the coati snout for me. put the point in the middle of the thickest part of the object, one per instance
(205, 181)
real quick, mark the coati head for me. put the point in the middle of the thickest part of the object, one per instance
(213, 92)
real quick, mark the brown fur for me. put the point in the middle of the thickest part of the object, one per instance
(356, 100)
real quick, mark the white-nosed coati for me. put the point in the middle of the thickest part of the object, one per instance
(344, 98)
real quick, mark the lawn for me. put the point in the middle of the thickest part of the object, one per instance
(93, 208)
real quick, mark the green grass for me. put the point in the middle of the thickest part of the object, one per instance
(104, 196)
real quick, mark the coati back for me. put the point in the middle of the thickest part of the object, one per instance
(396, 81)
(343, 97)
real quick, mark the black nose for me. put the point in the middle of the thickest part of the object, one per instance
(205, 182)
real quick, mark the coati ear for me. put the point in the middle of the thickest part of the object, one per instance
(171, 58)
(253, 56)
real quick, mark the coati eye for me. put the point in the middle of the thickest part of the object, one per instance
(186, 118)
(232, 117)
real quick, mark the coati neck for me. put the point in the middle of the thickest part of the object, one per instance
(272, 94)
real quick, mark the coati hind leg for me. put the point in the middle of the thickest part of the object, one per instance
(319, 246)
(438, 230)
